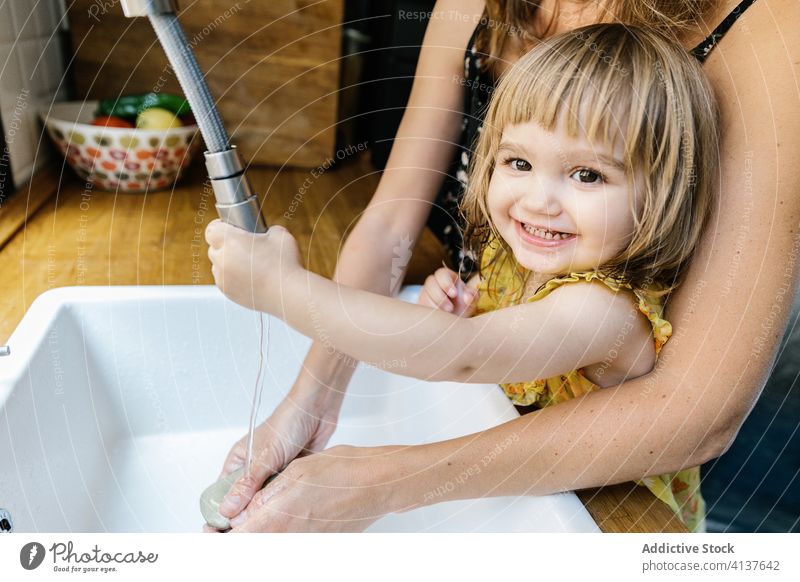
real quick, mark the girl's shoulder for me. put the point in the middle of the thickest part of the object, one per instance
(633, 317)
(630, 321)
(503, 284)
(648, 302)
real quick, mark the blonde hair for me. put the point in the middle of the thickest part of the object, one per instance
(506, 19)
(630, 80)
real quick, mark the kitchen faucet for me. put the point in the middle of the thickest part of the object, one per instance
(235, 201)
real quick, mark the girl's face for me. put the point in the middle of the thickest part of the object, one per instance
(562, 204)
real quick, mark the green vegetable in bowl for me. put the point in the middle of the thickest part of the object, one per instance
(130, 106)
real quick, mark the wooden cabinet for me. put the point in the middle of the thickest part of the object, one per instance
(273, 67)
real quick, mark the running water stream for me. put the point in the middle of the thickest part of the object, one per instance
(259, 388)
(213, 495)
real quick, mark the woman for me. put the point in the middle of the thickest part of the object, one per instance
(729, 313)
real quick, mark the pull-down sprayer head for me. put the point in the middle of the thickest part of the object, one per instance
(236, 202)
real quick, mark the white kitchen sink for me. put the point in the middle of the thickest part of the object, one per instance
(120, 403)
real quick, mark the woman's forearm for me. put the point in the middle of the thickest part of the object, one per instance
(375, 255)
(597, 440)
(366, 262)
(322, 381)
(680, 415)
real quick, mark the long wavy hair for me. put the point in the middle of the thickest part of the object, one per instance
(620, 77)
(509, 21)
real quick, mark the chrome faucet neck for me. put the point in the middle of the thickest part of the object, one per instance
(147, 7)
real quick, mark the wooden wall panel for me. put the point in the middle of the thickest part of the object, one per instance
(272, 65)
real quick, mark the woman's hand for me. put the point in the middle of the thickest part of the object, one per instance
(446, 291)
(297, 427)
(252, 269)
(342, 489)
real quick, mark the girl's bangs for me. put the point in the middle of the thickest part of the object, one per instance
(587, 88)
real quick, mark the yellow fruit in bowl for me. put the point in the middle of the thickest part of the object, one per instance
(157, 118)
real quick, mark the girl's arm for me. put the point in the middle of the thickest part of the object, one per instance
(572, 327)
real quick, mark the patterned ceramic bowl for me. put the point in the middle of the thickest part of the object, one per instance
(119, 159)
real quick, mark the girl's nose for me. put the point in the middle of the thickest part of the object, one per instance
(540, 196)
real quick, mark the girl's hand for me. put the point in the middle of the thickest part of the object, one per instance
(251, 269)
(342, 489)
(446, 291)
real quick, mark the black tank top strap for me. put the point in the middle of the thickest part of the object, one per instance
(701, 51)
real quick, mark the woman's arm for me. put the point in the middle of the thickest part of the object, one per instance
(728, 316)
(398, 211)
(422, 151)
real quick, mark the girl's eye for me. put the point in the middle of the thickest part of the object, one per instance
(519, 165)
(587, 176)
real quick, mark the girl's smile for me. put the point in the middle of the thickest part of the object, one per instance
(561, 203)
(543, 236)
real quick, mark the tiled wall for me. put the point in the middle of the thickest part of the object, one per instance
(31, 78)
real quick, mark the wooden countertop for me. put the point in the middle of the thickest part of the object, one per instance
(83, 237)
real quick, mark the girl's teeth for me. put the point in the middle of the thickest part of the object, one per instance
(545, 234)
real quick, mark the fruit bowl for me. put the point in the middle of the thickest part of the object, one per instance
(119, 159)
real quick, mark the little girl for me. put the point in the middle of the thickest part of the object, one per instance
(589, 189)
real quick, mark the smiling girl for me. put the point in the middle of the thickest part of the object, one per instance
(590, 187)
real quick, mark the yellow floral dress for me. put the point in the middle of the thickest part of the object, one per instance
(504, 287)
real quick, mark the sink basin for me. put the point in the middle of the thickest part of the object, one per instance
(119, 405)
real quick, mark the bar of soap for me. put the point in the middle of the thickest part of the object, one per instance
(213, 496)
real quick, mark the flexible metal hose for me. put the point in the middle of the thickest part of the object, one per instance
(180, 55)
(235, 200)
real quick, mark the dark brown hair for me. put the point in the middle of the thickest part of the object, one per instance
(510, 20)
